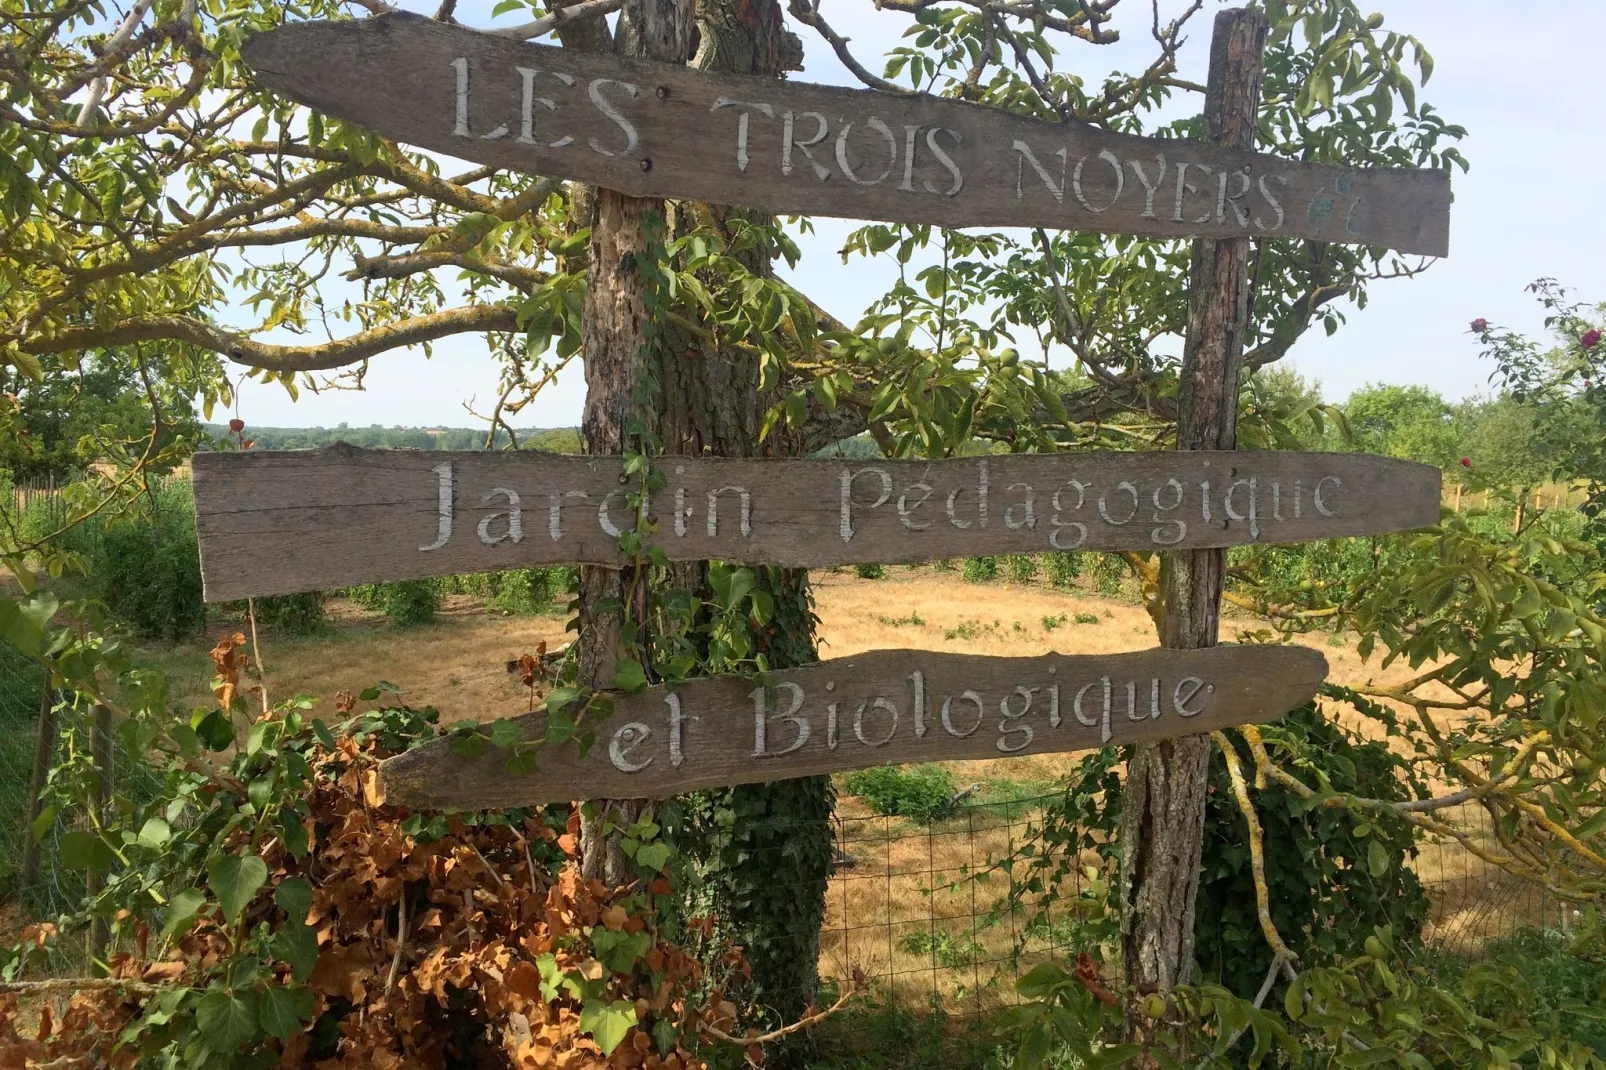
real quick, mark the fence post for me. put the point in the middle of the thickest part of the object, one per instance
(44, 751)
(105, 772)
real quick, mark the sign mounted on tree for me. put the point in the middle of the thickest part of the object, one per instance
(283, 522)
(654, 129)
(875, 708)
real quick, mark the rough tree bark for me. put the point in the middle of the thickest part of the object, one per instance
(614, 338)
(1163, 799)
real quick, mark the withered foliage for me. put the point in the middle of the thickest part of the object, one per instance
(482, 948)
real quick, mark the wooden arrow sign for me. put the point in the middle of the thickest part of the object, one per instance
(884, 706)
(281, 522)
(652, 129)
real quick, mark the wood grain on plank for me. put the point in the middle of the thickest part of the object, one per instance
(653, 129)
(299, 520)
(885, 706)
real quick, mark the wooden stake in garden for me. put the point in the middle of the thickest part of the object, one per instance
(1163, 799)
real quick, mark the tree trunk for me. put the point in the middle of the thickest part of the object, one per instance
(44, 752)
(1163, 799)
(105, 757)
(614, 347)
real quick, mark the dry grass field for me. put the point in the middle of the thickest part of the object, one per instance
(903, 909)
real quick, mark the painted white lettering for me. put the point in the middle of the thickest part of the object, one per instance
(460, 65)
(842, 151)
(789, 142)
(746, 524)
(1149, 188)
(1299, 498)
(594, 91)
(918, 680)
(1022, 514)
(845, 525)
(947, 161)
(1232, 199)
(906, 511)
(1060, 525)
(1316, 494)
(677, 721)
(445, 497)
(1159, 535)
(762, 718)
(1277, 501)
(830, 726)
(1192, 685)
(1009, 727)
(1095, 721)
(1253, 516)
(514, 515)
(1271, 200)
(626, 739)
(948, 714)
(910, 133)
(741, 124)
(527, 102)
(1027, 156)
(1120, 181)
(603, 519)
(1053, 705)
(554, 516)
(1104, 504)
(858, 722)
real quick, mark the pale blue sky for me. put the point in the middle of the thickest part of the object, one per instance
(1524, 79)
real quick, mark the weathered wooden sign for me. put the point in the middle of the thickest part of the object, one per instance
(652, 129)
(879, 707)
(281, 522)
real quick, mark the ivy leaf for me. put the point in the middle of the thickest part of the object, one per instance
(504, 732)
(226, 1021)
(608, 1023)
(284, 1009)
(630, 676)
(181, 908)
(294, 897)
(154, 833)
(234, 879)
(619, 951)
(297, 944)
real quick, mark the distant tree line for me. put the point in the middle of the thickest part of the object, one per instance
(548, 439)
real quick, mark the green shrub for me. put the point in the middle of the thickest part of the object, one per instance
(980, 569)
(924, 792)
(291, 614)
(869, 572)
(942, 564)
(144, 563)
(1540, 964)
(1334, 876)
(948, 950)
(406, 602)
(1050, 623)
(1020, 568)
(1062, 567)
(1086, 618)
(1109, 573)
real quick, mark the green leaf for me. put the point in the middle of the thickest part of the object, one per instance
(654, 856)
(226, 1021)
(608, 1023)
(1377, 858)
(619, 951)
(325, 737)
(630, 676)
(296, 944)
(154, 833)
(214, 729)
(235, 879)
(181, 908)
(504, 732)
(85, 850)
(294, 897)
(284, 1009)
